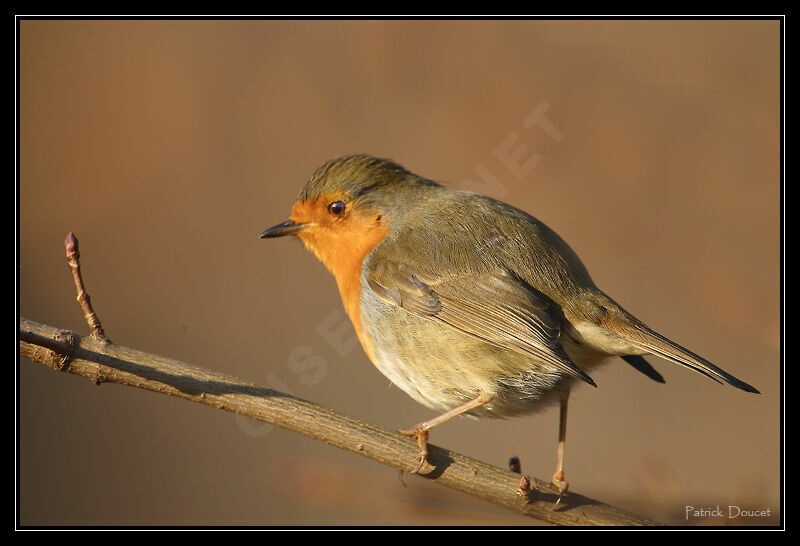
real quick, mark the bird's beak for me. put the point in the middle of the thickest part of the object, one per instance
(284, 228)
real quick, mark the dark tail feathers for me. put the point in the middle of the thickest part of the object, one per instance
(646, 339)
(643, 366)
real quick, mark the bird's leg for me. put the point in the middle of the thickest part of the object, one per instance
(420, 432)
(558, 477)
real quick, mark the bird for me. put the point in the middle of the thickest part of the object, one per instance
(469, 305)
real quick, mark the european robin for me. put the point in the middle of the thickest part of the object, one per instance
(467, 304)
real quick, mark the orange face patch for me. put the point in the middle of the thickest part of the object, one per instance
(341, 243)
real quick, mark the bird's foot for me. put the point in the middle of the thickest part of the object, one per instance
(561, 485)
(421, 435)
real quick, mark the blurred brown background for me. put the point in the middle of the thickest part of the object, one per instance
(167, 147)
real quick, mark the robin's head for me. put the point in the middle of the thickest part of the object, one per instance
(347, 206)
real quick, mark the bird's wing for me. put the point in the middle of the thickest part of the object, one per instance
(494, 306)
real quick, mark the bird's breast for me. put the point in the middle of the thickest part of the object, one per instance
(343, 253)
(442, 367)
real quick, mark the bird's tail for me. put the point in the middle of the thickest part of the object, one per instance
(637, 334)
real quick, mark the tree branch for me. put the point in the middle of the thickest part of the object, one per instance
(102, 362)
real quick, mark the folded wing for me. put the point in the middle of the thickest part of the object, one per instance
(495, 306)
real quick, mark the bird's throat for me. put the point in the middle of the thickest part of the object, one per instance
(342, 251)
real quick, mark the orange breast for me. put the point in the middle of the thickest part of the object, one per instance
(342, 246)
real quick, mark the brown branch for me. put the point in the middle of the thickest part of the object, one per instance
(101, 361)
(105, 362)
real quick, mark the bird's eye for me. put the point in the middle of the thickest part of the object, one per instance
(336, 208)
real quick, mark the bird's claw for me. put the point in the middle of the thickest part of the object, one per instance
(561, 485)
(422, 441)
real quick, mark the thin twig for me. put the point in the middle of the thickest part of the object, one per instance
(73, 259)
